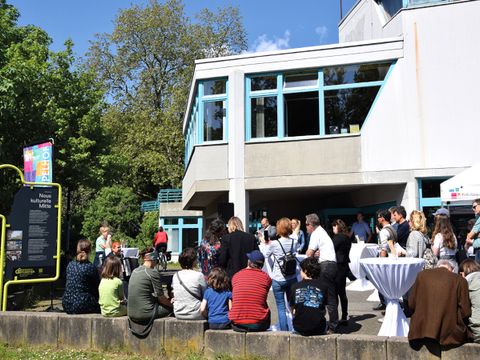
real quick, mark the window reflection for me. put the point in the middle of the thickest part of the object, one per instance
(297, 80)
(301, 113)
(350, 74)
(214, 87)
(264, 83)
(346, 109)
(214, 115)
(264, 117)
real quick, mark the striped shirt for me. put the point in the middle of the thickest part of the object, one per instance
(249, 296)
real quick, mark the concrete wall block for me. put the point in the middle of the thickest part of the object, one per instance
(361, 347)
(268, 345)
(398, 348)
(464, 352)
(184, 336)
(12, 327)
(153, 344)
(42, 328)
(313, 347)
(108, 333)
(75, 331)
(218, 342)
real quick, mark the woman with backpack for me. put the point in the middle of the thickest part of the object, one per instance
(282, 253)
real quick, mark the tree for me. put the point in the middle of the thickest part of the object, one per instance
(146, 65)
(118, 207)
(148, 228)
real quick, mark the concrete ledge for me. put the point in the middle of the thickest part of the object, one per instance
(268, 345)
(361, 347)
(184, 336)
(398, 348)
(464, 352)
(42, 328)
(220, 342)
(12, 327)
(153, 344)
(108, 333)
(313, 347)
(75, 331)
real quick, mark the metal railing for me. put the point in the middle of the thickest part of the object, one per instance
(170, 195)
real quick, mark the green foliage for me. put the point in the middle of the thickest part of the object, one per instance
(115, 205)
(148, 228)
(146, 66)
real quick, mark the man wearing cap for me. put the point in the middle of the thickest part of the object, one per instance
(250, 288)
(473, 237)
(146, 300)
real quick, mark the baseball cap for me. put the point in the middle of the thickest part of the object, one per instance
(441, 211)
(256, 256)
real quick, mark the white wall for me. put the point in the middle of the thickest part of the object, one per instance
(428, 113)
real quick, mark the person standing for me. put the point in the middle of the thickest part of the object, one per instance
(208, 251)
(444, 240)
(417, 240)
(299, 235)
(342, 244)
(473, 237)
(234, 247)
(103, 242)
(322, 244)
(271, 230)
(403, 229)
(360, 229)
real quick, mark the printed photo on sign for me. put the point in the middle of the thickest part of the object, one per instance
(14, 255)
(14, 245)
(14, 235)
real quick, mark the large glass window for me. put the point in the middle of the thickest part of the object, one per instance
(346, 109)
(214, 117)
(214, 87)
(264, 117)
(334, 100)
(301, 113)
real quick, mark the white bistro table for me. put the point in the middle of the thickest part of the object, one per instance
(392, 277)
(360, 251)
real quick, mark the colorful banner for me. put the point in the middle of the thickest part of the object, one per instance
(38, 162)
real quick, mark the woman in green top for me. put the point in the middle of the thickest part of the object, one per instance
(112, 299)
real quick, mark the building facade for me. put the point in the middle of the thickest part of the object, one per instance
(379, 119)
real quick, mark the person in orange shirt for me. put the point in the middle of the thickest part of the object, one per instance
(160, 240)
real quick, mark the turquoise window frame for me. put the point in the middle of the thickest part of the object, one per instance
(321, 88)
(180, 226)
(194, 134)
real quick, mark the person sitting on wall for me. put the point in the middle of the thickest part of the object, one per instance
(81, 289)
(112, 297)
(440, 307)
(250, 310)
(188, 287)
(217, 300)
(308, 299)
(147, 300)
(470, 270)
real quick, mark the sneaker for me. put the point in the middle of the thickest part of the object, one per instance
(379, 307)
(380, 320)
(330, 332)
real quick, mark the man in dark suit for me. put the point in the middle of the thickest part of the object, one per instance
(235, 246)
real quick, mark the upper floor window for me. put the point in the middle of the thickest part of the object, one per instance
(327, 101)
(208, 117)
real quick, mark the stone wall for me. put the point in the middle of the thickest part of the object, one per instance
(174, 338)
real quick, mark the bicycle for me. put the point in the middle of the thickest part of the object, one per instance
(162, 261)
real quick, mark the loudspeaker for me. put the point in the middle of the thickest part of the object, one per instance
(225, 211)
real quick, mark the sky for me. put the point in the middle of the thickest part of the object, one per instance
(270, 24)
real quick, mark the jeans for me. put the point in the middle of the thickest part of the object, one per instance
(279, 289)
(328, 274)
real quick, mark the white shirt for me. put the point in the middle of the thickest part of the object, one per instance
(319, 240)
(185, 306)
(444, 251)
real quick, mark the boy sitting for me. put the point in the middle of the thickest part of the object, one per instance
(307, 300)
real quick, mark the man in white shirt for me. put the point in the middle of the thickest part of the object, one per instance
(322, 243)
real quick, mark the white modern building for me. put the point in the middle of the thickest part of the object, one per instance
(382, 118)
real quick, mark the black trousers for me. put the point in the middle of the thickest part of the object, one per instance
(328, 275)
(341, 283)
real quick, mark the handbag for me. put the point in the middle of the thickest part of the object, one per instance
(430, 258)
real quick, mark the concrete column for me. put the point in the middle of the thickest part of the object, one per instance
(410, 196)
(236, 145)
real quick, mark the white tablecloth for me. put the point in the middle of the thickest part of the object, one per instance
(361, 251)
(392, 277)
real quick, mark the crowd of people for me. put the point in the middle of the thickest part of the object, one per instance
(238, 269)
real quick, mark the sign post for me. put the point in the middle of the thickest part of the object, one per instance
(30, 247)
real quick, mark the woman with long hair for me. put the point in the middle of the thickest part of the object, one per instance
(417, 240)
(208, 251)
(444, 242)
(81, 289)
(342, 244)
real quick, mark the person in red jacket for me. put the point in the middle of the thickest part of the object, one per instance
(160, 240)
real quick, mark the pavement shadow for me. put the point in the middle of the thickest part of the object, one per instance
(353, 324)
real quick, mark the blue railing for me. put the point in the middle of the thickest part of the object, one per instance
(170, 195)
(148, 206)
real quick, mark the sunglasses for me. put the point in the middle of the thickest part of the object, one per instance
(474, 206)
